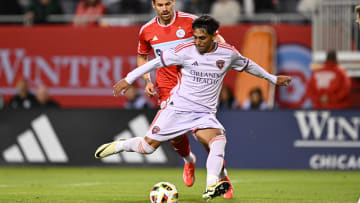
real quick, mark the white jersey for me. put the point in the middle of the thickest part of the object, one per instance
(199, 86)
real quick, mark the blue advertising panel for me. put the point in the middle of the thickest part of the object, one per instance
(292, 139)
(319, 140)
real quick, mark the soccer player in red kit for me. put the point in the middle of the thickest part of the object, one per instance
(168, 29)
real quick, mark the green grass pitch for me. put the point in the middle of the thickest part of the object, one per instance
(132, 185)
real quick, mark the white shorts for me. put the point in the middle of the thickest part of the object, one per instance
(170, 123)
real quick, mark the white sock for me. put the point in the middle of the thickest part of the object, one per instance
(215, 160)
(189, 158)
(211, 180)
(136, 144)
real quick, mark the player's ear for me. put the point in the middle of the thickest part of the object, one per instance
(153, 3)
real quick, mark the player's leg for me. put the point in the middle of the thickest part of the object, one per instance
(224, 177)
(143, 145)
(215, 140)
(182, 147)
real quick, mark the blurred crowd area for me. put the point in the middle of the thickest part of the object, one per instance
(37, 11)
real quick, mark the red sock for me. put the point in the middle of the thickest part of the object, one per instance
(181, 145)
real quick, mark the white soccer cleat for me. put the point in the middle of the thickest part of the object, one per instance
(216, 190)
(107, 150)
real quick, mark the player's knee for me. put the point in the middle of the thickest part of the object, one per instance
(146, 148)
(218, 142)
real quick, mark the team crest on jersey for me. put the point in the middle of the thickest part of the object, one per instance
(155, 130)
(220, 64)
(180, 33)
(162, 104)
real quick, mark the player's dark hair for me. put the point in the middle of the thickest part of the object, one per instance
(206, 22)
(331, 56)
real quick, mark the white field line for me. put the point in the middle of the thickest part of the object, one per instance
(81, 184)
(59, 185)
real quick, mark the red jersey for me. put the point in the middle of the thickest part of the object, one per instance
(332, 83)
(159, 37)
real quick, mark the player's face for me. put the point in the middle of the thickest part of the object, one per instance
(204, 42)
(165, 10)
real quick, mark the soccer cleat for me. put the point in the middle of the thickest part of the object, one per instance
(216, 190)
(230, 192)
(189, 173)
(106, 150)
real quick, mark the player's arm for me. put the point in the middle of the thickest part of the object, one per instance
(241, 63)
(149, 86)
(168, 58)
(123, 85)
(256, 70)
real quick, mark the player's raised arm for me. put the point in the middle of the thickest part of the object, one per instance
(283, 80)
(258, 71)
(123, 85)
(241, 63)
(167, 59)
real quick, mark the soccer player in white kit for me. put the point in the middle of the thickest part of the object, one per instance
(192, 105)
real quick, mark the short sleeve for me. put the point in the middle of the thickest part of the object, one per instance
(144, 46)
(170, 57)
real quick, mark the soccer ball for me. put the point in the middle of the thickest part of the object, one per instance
(164, 192)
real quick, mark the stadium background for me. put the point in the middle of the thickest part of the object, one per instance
(80, 65)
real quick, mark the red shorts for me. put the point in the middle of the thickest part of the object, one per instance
(164, 94)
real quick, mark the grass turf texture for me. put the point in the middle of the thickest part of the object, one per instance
(130, 185)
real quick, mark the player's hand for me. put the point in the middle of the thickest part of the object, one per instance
(283, 80)
(121, 87)
(149, 89)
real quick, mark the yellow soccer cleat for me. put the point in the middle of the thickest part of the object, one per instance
(216, 190)
(106, 150)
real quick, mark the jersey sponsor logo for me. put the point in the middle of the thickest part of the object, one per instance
(180, 33)
(37, 145)
(163, 104)
(220, 64)
(137, 128)
(155, 38)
